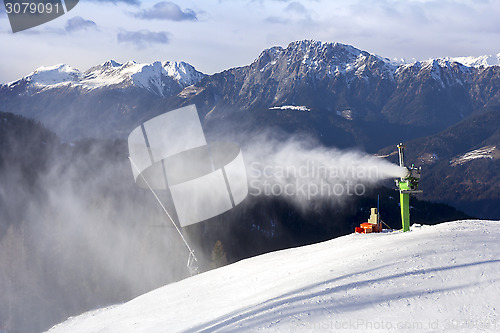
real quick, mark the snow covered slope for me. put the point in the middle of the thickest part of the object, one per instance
(53, 75)
(491, 152)
(442, 278)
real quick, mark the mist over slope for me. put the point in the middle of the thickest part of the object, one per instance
(72, 221)
(434, 278)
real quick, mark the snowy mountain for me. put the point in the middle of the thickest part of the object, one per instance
(50, 76)
(330, 78)
(435, 278)
(160, 78)
(461, 163)
(348, 91)
(105, 101)
(481, 61)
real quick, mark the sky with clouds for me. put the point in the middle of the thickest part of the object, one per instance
(214, 35)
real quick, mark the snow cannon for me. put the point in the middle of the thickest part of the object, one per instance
(406, 185)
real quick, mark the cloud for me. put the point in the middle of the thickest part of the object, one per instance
(296, 7)
(276, 20)
(167, 10)
(129, 2)
(261, 1)
(143, 37)
(294, 12)
(79, 23)
(416, 29)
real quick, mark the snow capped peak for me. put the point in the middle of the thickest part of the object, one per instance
(182, 72)
(399, 62)
(476, 62)
(129, 63)
(481, 61)
(111, 63)
(58, 67)
(49, 75)
(160, 78)
(310, 58)
(153, 76)
(445, 71)
(313, 47)
(342, 52)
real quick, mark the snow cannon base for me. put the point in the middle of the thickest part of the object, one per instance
(372, 225)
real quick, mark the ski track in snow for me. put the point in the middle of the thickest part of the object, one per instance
(443, 278)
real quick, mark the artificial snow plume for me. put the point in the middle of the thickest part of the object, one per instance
(81, 235)
(303, 171)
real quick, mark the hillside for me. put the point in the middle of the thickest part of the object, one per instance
(351, 97)
(435, 278)
(461, 164)
(72, 222)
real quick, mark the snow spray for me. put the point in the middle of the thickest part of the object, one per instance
(303, 171)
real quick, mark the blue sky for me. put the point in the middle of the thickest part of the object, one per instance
(214, 35)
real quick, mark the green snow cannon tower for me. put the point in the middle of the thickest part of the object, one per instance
(406, 185)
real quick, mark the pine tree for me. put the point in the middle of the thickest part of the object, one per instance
(219, 257)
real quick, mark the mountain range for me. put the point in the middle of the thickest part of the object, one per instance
(103, 101)
(337, 94)
(350, 90)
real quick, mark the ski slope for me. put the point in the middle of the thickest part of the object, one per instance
(443, 278)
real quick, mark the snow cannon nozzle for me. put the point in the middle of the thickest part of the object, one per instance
(405, 172)
(406, 185)
(408, 182)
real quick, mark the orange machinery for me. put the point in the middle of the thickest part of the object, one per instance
(372, 225)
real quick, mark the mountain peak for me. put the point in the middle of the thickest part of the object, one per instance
(48, 75)
(320, 59)
(156, 77)
(331, 48)
(182, 72)
(111, 63)
(480, 61)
